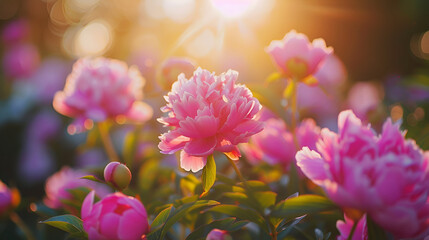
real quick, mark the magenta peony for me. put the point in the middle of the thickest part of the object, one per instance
(99, 89)
(208, 113)
(5, 198)
(264, 146)
(386, 176)
(57, 187)
(217, 234)
(344, 227)
(115, 217)
(20, 61)
(15, 32)
(296, 57)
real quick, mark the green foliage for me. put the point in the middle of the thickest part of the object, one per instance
(374, 231)
(209, 175)
(68, 223)
(93, 178)
(301, 205)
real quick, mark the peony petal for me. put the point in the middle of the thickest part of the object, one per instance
(234, 154)
(109, 225)
(200, 147)
(87, 205)
(192, 163)
(312, 165)
(132, 226)
(171, 142)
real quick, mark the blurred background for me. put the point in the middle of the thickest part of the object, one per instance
(383, 46)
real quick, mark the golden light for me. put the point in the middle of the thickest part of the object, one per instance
(233, 8)
(202, 44)
(179, 11)
(94, 39)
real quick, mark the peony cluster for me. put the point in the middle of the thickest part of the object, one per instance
(296, 57)
(208, 113)
(386, 176)
(116, 216)
(99, 89)
(264, 146)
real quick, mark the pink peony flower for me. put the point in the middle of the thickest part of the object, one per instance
(20, 61)
(57, 186)
(344, 227)
(264, 146)
(99, 89)
(208, 113)
(364, 98)
(115, 217)
(5, 198)
(386, 176)
(296, 57)
(217, 234)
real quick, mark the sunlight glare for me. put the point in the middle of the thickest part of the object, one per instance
(94, 39)
(233, 8)
(202, 45)
(179, 11)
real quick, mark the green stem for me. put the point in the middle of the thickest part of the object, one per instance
(294, 109)
(107, 143)
(240, 176)
(353, 230)
(18, 221)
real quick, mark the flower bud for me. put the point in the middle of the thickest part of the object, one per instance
(217, 234)
(117, 174)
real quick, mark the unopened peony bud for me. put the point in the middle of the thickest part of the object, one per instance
(117, 174)
(217, 234)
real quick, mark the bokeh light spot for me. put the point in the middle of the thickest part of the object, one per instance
(232, 8)
(179, 10)
(94, 39)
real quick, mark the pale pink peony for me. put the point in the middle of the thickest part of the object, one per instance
(386, 176)
(99, 89)
(217, 234)
(264, 146)
(344, 227)
(296, 57)
(115, 217)
(208, 113)
(5, 198)
(57, 187)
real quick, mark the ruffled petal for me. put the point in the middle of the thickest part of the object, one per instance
(171, 142)
(192, 163)
(201, 146)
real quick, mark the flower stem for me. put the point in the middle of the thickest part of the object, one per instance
(352, 231)
(107, 143)
(18, 221)
(294, 110)
(240, 176)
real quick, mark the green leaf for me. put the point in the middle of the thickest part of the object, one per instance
(301, 205)
(256, 185)
(176, 214)
(265, 199)
(284, 230)
(228, 224)
(130, 147)
(241, 213)
(67, 223)
(273, 77)
(93, 178)
(209, 175)
(374, 231)
(161, 218)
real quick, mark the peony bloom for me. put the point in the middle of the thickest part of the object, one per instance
(385, 176)
(208, 113)
(115, 217)
(5, 198)
(15, 32)
(364, 98)
(264, 146)
(344, 227)
(296, 57)
(217, 234)
(98, 89)
(57, 186)
(9, 199)
(171, 68)
(20, 61)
